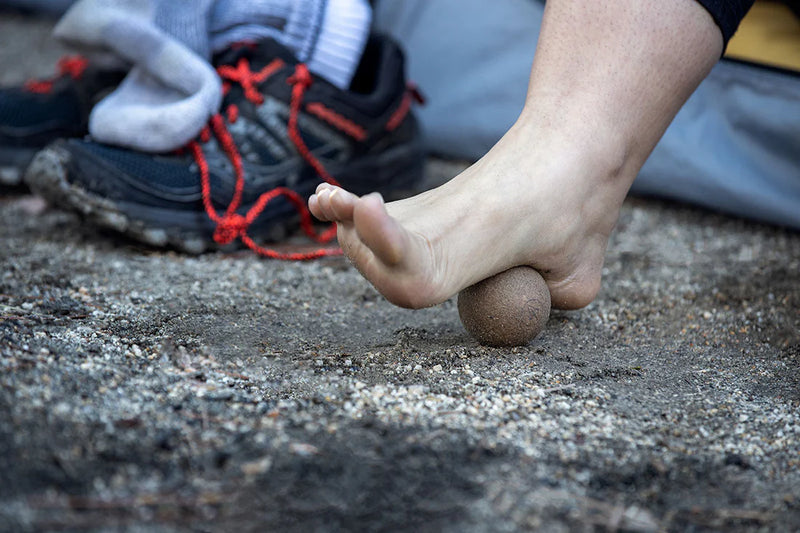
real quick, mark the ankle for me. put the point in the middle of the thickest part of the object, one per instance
(586, 139)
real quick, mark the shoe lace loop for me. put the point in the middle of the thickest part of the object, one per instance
(232, 225)
(72, 66)
(300, 81)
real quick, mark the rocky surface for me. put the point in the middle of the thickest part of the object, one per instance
(146, 390)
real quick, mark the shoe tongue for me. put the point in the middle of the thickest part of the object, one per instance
(259, 54)
(270, 49)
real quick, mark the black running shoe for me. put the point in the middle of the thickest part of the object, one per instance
(282, 131)
(39, 112)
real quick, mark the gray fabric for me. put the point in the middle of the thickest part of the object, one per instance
(171, 90)
(734, 147)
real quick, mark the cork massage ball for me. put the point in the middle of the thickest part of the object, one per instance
(508, 309)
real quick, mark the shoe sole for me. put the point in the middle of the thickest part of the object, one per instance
(47, 175)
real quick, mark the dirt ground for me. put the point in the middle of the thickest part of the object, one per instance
(144, 390)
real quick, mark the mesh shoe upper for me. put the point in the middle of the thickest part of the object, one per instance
(280, 128)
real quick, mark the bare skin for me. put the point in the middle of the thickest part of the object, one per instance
(607, 79)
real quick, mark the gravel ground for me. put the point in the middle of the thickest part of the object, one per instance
(143, 390)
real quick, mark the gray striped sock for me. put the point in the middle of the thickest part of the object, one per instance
(187, 21)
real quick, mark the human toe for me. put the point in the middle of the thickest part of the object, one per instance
(342, 204)
(323, 209)
(379, 231)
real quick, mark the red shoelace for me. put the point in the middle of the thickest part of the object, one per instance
(232, 225)
(72, 66)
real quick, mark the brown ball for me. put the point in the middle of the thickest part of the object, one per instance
(508, 309)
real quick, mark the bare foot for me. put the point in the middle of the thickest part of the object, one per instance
(549, 193)
(551, 208)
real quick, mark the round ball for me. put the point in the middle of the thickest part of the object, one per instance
(508, 309)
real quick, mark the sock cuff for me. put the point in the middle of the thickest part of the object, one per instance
(303, 27)
(343, 34)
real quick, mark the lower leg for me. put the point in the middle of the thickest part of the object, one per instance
(607, 80)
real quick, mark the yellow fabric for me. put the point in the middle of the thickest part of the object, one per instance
(769, 34)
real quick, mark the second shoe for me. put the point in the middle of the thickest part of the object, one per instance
(39, 112)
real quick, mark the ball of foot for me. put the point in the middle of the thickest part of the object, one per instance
(508, 309)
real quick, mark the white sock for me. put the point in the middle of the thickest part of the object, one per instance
(171, 92)
(341, 41)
